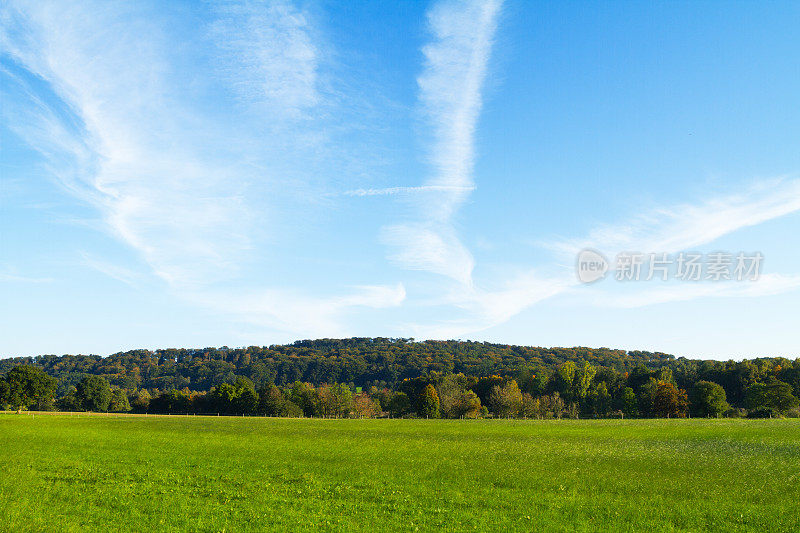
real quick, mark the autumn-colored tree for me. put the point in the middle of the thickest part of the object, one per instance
(531, 407)
(366, 407)
(429, 403)
(670, 401)
(556, 406)
(333, 401)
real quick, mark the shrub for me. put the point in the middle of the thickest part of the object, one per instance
(766, 412)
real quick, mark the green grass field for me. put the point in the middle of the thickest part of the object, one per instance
(230, 474)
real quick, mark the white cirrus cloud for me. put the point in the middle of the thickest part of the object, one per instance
(450, 99)
(685, 226)
(132, 127)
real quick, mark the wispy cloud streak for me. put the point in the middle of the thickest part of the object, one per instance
(450, 95)
(682, 227)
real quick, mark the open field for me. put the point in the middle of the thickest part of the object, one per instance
(64, 472)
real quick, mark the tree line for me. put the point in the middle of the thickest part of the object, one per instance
(402, 378)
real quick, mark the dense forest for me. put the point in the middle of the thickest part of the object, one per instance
(401, 377)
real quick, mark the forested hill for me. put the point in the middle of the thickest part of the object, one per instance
(360, 361)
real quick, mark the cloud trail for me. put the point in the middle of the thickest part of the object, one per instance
(682, 227)
(450, 96)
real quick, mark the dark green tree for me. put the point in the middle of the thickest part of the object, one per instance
(27, 386)
(775, 395)
(708, 399)
(647, 398)
(271, 401)
(93, 393)
(246, 400)
(304, 396)
(399, 404)
(119, 401)
(4, 396)
(172, 401)
(69, 402)
(630, 406)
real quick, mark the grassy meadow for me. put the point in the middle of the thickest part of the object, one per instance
(77, 473)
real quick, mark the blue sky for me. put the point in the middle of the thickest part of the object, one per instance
(206, 174)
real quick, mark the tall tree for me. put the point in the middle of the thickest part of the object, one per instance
(27, 385)
(774, 394)
(93, 393)
(429, 403)
(271, 401)
(506, 401)
(119, 402)
(451, 391)
(469, 405)
(565, 380)
(366, 407)
(630, 407)
(709, 399)
(669, 401)
(584, 380)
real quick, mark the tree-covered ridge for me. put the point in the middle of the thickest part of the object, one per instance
(360, 361)
(400, 377)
